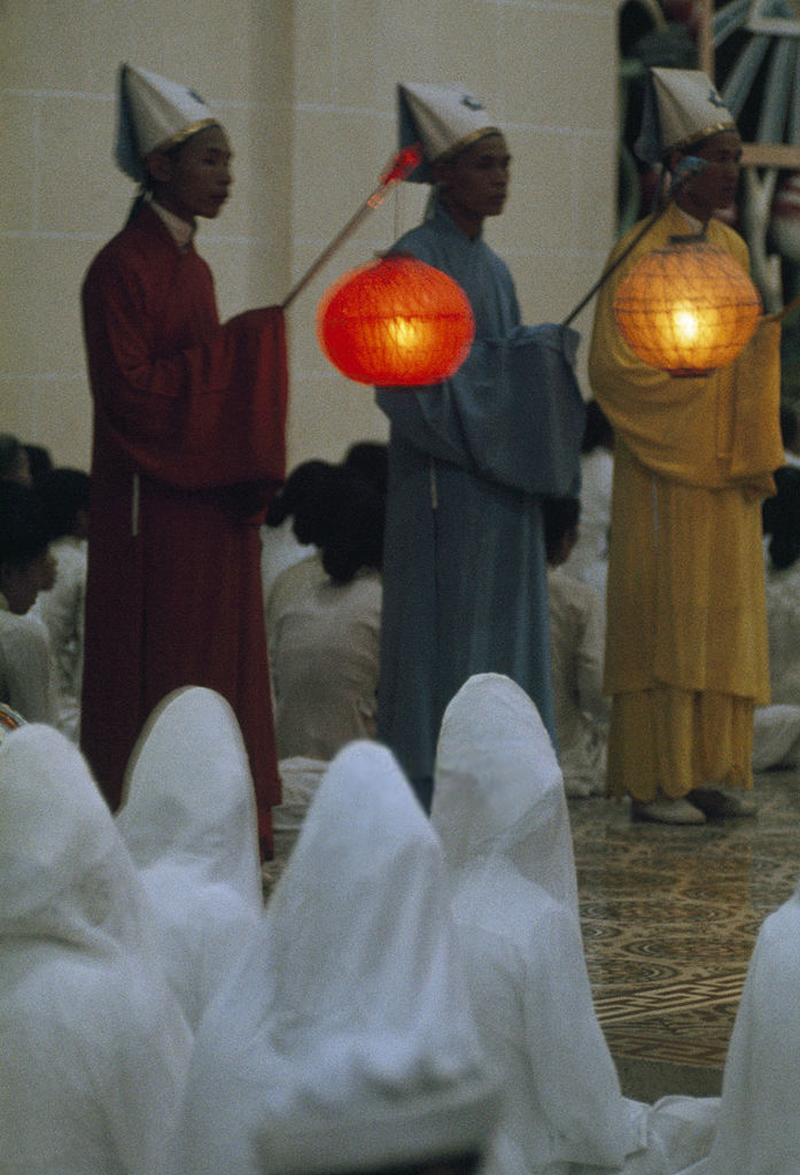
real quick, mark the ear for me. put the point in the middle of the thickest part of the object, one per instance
(159, 166)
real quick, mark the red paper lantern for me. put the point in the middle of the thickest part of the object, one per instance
(395, 321)
(687, 308)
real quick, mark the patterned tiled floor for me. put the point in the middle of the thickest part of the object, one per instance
(669, 918)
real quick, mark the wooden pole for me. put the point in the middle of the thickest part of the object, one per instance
(399, 168)
(705, 37)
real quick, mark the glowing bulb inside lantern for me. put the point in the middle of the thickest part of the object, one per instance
(687, 308)
(396, 322)
(686, 323)
(405, 333)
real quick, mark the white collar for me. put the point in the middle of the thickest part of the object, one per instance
(180, 231)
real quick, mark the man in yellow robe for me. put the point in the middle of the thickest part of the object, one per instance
(686, 640)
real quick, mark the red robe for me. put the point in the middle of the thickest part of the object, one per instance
(189, 424)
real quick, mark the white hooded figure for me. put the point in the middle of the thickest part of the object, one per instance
(189, 820)
(500, 810)
(93, 1046)
(345, 1041)
(501, 813)
(759, 1120)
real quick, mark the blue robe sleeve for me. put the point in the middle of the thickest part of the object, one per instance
(513, 412)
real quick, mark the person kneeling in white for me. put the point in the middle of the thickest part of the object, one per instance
(93, 1046)
(345, 1043)
(500, 810)
(759, 1121)
(189, 821)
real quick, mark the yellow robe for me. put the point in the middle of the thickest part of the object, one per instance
(686, 640)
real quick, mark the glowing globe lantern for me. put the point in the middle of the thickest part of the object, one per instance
(688, 308)
(395, 321)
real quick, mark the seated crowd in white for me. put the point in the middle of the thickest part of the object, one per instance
(413, 993)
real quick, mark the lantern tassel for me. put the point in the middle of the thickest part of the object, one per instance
(400, 166)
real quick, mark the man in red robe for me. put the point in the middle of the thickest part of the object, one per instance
(189, 423)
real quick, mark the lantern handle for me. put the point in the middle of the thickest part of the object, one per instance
(399, 168)
(688, 167)
(610, 269)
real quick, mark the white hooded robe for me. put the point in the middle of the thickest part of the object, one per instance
(93, 1046)
(759, 1120)
(500, 810)
(345, 1041)
(189, 820)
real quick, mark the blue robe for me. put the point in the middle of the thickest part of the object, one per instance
(465, 586)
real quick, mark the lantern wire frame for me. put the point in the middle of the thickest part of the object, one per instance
(395, 321)
(688, 308)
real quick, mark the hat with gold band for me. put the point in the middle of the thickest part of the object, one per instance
(445, 119)
(681, 107)
(154, 114)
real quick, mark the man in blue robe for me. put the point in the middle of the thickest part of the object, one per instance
(465, 586)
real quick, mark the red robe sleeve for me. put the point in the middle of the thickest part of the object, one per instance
(178, 396)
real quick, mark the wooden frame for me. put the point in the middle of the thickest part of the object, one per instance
(777, 155)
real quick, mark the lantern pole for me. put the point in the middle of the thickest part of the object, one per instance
(606, 274)
(689, 166)
(399, 168)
